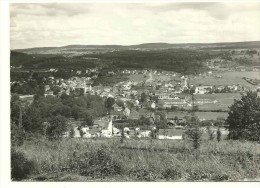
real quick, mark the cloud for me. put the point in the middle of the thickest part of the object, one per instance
(62, 24)
(47, 9)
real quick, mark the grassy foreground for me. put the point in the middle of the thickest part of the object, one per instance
(139, 160)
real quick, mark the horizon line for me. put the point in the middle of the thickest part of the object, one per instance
(130, 44)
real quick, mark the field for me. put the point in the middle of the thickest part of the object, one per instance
(180, 132)
(137, 77)
(202, 115)
(140, 160)
(211, 115)
(228, 78)
(224, 100)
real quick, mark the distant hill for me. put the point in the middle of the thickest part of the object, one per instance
(81, 49)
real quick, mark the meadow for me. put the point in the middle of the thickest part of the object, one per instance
(227, 78)
(105, 159)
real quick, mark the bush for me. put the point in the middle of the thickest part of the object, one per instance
(99, 164)
(171, 173)
(72, 133)
(220, 177)
(197, 175)
(145, 173)
(56, 128)
(195, 135)
(244, 117)
(20, 166)
(17, 136)
(219, 135)
(210, 133)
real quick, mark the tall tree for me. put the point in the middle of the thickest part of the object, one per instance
(109, 104)
(56, 127)
(144, 97)
(244, 118)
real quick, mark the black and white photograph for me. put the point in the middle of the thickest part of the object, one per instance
(159, 91)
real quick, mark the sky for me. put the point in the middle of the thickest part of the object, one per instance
(60, 24)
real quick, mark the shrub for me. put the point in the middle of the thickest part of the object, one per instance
(56, 128)
(99, 164)
(211, 133)
(197, 175)
(17, 136)
(218, 135)
(145, 173)
(195, 135)
(243, 118)
(220, 177)
(21, 167)
(72, 133)
(171, 173)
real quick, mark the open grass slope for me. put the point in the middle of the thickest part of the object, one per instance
(141, 160)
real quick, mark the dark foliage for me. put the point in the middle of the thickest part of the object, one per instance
(21, 167)
(194, 134)
(244, 118)
(57, 125)
(99, 164)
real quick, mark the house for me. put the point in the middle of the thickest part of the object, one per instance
(177, 117)
(150, 115)
(47, 87)
(163, 96)
(104, 128)
(203, 89)
(48, 93)
(117, 115)
(174, 102)
(26, 99)
(153, 105)
(79, 90)
(172, 134)
(171, 123)
(126, 112)
(117, 108)
(79, 72)
(107, 89)
(52, 70)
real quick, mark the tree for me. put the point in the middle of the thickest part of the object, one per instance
(143, 97)
(120, 103)
(219, 135)
(72, 132)
(194, 134)
(109, 104)
(56, 90)
(244, 118)
(17, 135)
(122, 136)
(33, 120)
(89, 118)
(56, 127)
(211, 133)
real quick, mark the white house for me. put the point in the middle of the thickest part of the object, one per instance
(202, 89)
